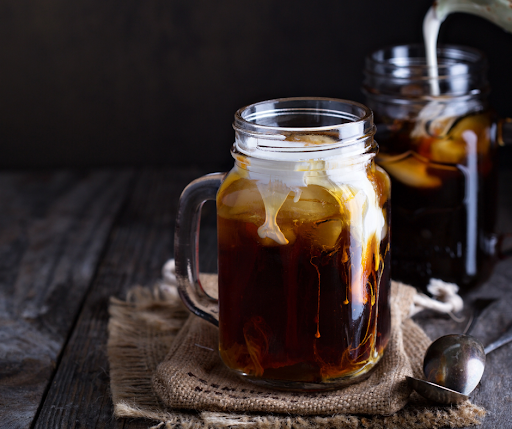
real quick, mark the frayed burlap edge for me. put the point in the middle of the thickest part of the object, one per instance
(141, 330)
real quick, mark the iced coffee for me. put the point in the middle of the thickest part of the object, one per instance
(303, 272)
(440, 153)
(444, 199)
(303, 246)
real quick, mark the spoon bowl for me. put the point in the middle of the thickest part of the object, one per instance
(458, 360)
(436, 393)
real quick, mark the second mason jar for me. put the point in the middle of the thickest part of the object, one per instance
(439, 151)
(303, 246)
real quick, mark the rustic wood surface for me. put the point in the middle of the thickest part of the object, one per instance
(53, 230)
(69, 240)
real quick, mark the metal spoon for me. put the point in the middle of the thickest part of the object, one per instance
(436, 387)
(457, 362)
(454, 365)
(479, 306)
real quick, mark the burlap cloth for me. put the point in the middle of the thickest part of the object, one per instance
(164, 366)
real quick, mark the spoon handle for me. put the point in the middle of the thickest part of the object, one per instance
(504, 339)
(479, 307)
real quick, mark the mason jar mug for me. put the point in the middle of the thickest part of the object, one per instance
(303, 245)
(440, 152)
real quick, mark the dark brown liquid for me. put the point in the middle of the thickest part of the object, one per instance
(444, 202)
(313, 310)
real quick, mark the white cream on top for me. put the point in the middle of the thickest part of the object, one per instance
(344, 177)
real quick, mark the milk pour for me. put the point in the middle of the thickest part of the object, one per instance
(441, 112)
(496, 11)
(431, 25)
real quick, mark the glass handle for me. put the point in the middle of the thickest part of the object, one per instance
(504, 132)
(186, 246)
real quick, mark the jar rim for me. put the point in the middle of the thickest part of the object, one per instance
(250, 118)
(299, 128)
(452, 60)
(273, 129)
(402, 70)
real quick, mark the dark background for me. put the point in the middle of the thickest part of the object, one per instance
(156, 82)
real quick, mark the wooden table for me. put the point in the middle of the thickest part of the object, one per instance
(69, 240)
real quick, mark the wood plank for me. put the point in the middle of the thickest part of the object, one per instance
(140, 244)
(79, 396)
(53, 229)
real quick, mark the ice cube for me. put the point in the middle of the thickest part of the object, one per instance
(449, 151)
(315, 203)
(454, 149)
(241, 200)
(411, 170)
(326, 233)
(311, 139)
(480, 124)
